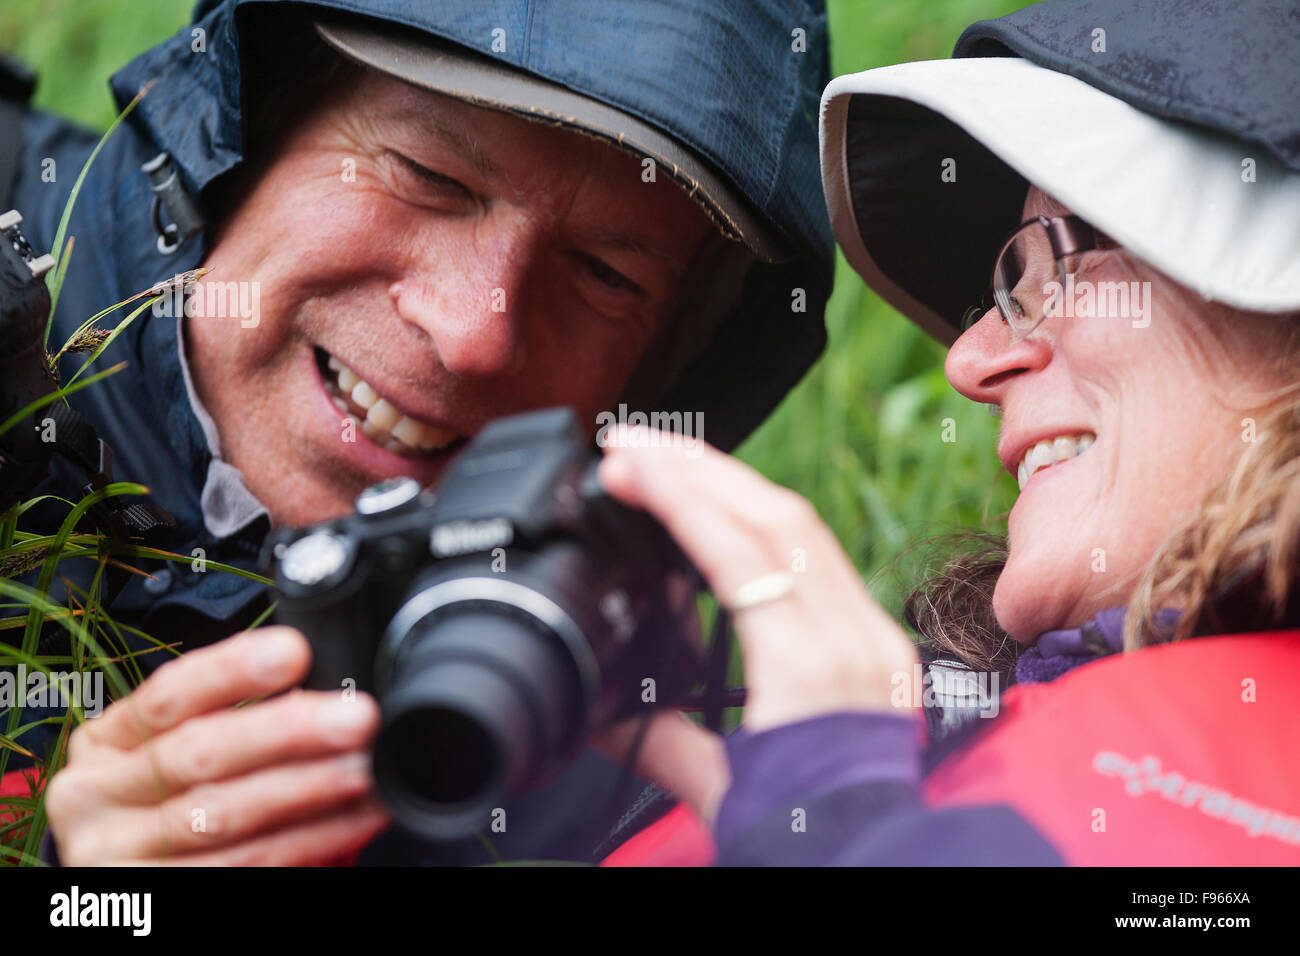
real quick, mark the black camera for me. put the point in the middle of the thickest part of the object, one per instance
(498, 622)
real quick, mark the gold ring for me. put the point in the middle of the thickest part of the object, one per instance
(763, 590)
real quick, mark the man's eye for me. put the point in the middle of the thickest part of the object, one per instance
(434, 179)
(608, 276)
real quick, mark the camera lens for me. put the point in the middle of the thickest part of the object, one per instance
(465, 759)
(480, 698)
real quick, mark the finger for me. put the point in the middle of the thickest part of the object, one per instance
(678, 754)
(254, 663)
(312, 842)
(212, 816)
(230, 743)
(682, 493)
(733, 523)
(721, 476)
(711, 477)
(804, 649)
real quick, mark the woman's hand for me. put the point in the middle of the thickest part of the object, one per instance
(825, 646)
(174, 773)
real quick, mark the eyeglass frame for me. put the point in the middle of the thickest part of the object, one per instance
(1066, 235)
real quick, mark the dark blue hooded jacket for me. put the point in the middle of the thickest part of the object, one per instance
(740, 95)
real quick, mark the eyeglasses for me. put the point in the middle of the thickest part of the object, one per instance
(1040, 250)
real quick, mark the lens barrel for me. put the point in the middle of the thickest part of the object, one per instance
(480, 698)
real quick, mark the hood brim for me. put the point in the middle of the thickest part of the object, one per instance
(451, 70)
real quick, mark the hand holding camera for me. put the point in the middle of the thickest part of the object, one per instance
(500, 623)
(819, 645)
(177, 773)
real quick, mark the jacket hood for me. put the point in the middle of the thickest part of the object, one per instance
(725, 80)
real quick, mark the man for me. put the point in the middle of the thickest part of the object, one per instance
(428, 219)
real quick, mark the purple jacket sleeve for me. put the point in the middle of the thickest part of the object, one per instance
(843, 789)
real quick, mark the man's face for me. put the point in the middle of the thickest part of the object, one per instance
(461, 263)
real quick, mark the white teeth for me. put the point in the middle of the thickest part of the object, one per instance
(1048, 452)
(383, 415)
(364, 395)
(408, 432)
(383, 424)
(1039, 455)
(419, 435)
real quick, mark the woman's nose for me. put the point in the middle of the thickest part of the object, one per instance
(472, 307)
(986, 357)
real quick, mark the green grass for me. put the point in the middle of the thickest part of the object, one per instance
(75, 45)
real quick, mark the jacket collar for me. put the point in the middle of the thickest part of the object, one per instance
(1055, 652)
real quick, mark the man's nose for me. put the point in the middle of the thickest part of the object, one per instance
(470, 304)
(987, 357)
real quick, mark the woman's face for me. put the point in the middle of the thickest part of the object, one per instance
(1162, 401)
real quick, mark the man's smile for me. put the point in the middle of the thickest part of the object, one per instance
(377, 437)
(376, 415)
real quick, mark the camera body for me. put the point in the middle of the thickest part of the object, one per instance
(499, 622)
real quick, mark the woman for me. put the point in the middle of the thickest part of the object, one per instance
(1142, 346)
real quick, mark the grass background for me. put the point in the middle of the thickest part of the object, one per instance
(860, 436)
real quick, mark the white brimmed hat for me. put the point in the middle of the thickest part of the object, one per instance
(925, 167)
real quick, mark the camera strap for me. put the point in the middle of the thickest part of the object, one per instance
(76, 440)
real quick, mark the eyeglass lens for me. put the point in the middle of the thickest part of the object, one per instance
(1021, 277)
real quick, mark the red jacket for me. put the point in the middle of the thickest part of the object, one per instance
(1181, 754)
